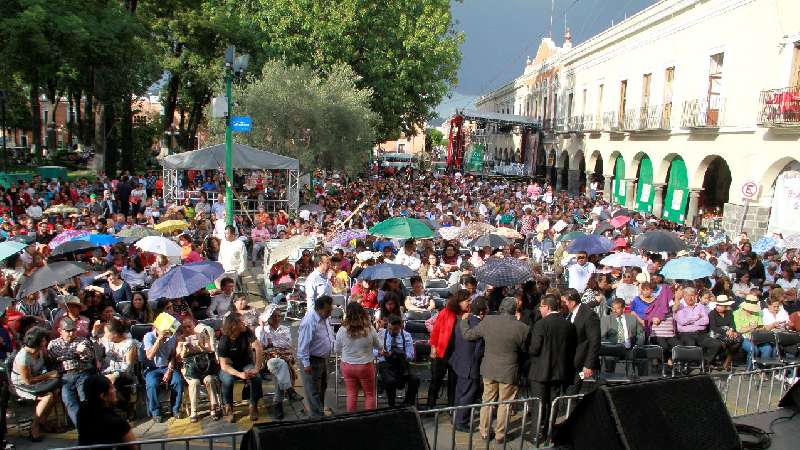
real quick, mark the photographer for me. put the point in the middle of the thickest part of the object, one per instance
(393, 365)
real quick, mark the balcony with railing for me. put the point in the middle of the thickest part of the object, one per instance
(590, 123)
(646, 119)
(703, 113)
(611, 122)
(780, 108)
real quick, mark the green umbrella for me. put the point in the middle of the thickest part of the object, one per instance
(138, 232)
(401, 228)
(9, 248)
(571, 236)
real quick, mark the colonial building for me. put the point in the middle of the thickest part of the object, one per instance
(689, 109)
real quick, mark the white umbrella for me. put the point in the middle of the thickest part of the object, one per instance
(623, 259)
(289, 248)
(159, 245)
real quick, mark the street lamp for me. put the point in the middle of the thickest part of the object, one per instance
(234, 65)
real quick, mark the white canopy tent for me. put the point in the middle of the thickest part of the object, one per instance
(242, 157)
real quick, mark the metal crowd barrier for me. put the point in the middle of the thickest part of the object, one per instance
(557, 411)
(756, 391)
(206, 441)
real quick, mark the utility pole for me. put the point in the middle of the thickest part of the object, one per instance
(229, 59)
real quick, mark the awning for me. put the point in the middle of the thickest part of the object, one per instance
(242, 157)
(507, 119)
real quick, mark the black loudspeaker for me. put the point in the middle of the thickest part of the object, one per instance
(671, 414)
(791, 399)
(385, 429)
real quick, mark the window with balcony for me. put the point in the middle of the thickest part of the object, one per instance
(669, 77)
(599, 110)
(794, 80)
(714, 86)
(645, 100)
(623, 94)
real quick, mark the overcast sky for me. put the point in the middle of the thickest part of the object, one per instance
(500, 34)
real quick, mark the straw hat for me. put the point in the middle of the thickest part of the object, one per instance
(750, 307)
(723, 300)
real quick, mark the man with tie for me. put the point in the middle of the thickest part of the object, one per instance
(552, 348)
(466, 362)
(587, 329)
(620, 328)
(314, 344)
(393, 362)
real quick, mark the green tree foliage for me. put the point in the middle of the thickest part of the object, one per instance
(323, 121)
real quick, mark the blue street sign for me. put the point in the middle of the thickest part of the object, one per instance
(241, 124)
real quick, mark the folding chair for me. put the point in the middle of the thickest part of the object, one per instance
(339, 300)
(138, 330)
(765, 337)
(787, 347)
(615, 351)
(418, 315)
(686, 355)
(439, 292)
(436, 283)
(646, 354)
(418, 330)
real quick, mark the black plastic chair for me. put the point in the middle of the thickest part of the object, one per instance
(418, 315)
(138, 330)
(787, 347)
(617, 352)
(417, 329)
(646, 354)
(686, 355)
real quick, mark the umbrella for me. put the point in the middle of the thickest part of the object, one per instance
(764, 244)
(591, 244)
(687, 268)
(26, 239)
(72, 247)
(430, 224)
(716, 240)
(571, 236)
(401, 228)
(168, 226)
(159, 245)
(98, 239)
(61, 209)
(185, 279)
(503, 272)
(619, 221)
(476, 230)
(623, 260)
(137, 232)
(490, 240)
(449, 233)
(9, 248)
(50, 275)
(509, 233)
(343, 238)
(660, 241)
(289, 247)
(66, 236)
(602, 227)
(386, 271)
(792, 241)
(312, 208)
(624, 212)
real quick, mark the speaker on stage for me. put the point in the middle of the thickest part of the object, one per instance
(671, 414)
(791, 399)
(384, 429)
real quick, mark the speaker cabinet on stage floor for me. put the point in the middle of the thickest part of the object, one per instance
(684, 413)
(384, 429)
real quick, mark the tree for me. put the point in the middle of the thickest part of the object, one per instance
(322, 121)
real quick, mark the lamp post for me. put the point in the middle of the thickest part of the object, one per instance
(234, 65)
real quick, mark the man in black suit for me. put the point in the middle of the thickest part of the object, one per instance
(466, 362)
(587, 329)
(552, 349)
(108, 207)
(124, 189)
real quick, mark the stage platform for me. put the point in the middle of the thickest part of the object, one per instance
(786, 432)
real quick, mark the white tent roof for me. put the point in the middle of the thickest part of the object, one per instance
(243, 157)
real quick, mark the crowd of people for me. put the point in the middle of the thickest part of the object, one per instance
(87, 340)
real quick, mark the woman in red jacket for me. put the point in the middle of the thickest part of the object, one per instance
(442, 346)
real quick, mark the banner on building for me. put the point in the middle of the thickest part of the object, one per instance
(785, 216)
(474, 158)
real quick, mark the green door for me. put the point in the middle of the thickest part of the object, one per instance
(677, 192)
(618, 186)
(644, 187)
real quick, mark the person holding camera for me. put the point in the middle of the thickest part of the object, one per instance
(397, 351)
(159, 368)
(240, 356)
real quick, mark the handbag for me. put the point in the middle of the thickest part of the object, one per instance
(199, 365)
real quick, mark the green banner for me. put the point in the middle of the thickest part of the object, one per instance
(474, 158)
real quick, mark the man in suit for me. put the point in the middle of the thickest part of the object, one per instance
(466, 362)
(620, 328)
(108, 207)
(504, 338)
(552, 348)
(587, 329)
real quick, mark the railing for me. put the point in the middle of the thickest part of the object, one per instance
(756, 391)
(591, 123)
(611, 121)
(703, 113)
(248, 205)
(780, 107)
(228, 440)
(645, 119)
(575, 123)
(548, 124)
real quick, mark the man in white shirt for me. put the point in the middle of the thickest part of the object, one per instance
(580, 271)
(34, 211)
(318, 283)
(409, 256)
(232, 253)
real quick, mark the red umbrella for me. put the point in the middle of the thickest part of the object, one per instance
(619, 221)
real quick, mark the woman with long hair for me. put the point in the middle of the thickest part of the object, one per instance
(138, 310)
(355, 342)
(441, 348)
(248, 313)
(33, 381)
(190, 345)
(390, 306)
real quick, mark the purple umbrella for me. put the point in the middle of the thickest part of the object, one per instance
(185, 280)
(591, 244)
(66, 236)
(343, 238)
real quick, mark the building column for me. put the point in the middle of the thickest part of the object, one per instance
(658, 199)
(557, 181)
(694, 197)
(607, 185)
(630, 193)
(574, 182)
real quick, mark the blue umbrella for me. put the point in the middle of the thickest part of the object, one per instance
(687, 268)
(98, 239)
(386, 271)
(9, 248)
(504, 272)
(185, 280)
(591, 244)
(764, 244)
